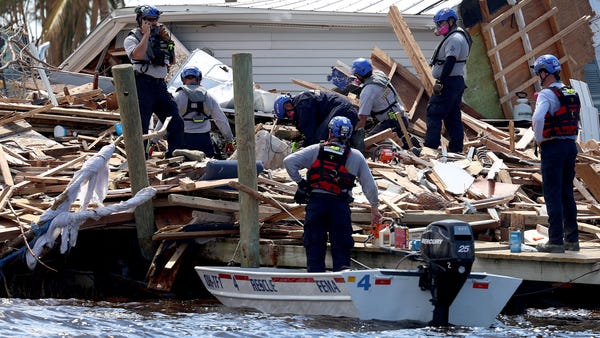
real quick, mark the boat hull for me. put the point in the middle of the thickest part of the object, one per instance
(395, 295)
(279, 291)
(381, 294)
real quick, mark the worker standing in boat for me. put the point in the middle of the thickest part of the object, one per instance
(555, 124)
(448, 68)
(311, 111)
(197, 107)
(333, 167)
(151, 50)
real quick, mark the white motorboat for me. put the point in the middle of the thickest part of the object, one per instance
(382, 294)
(443, 291)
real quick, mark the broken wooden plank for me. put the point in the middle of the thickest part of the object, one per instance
(412, 48)
(22, 116)
(255, 194)
(5, 169)
(590, 178)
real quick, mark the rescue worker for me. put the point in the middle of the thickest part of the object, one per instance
(448, 68)
(151, 50)
(379, 100)
(555, 123)
(311, 111)
(197, 107)
(333, 167)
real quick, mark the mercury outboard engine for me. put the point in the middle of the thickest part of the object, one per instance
(448, 249)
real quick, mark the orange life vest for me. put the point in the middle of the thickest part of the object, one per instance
(329, 173)
(565, 121)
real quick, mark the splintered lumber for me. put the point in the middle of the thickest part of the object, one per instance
(54, 170)
(296, 211)
(590, 178)
(402, 181)
(588, 228)
(5, 195)
(525, 139)
(22, 116)
(5, 169)
(162, 277)
(278, 185)
(194, 234)
(314, 86)
(379, 137)
(583, 191)
(407, 85)
(258, 195)
(211, 204)
(412, 48)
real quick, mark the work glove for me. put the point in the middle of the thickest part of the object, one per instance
(229, 149)
(302, 193)
(437, 88)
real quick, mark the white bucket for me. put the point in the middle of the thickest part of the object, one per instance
(60, 131)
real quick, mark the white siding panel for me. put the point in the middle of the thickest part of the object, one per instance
(280, 54)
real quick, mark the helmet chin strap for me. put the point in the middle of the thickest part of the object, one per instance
(543, 79)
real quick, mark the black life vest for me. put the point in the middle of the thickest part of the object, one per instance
(434, 60)
(195, 106)
(159, 53)
(565, 121)
(329, 172)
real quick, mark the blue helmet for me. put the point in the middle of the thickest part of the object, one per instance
(361, 66)
(191, 70)
(548, 63)
(278, 105)
(340, 127)
(444, 14)
(147, 10)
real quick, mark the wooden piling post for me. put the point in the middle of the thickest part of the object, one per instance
(243, 90)
(127, 97)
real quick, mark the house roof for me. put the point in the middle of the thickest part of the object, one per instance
(406, 7)
(319, 13)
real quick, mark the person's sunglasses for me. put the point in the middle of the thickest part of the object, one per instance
(151, 19)
(190, 77)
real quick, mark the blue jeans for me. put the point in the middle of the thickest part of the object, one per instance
(558, 172)
(327, 214)
(153, 97)
(446, 108)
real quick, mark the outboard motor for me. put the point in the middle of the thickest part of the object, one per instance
(448, 249)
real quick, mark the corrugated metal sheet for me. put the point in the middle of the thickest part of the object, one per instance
(413, 7)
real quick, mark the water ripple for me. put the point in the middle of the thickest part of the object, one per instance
(172, 318)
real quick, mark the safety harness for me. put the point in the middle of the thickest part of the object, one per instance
(160, 53)
(195, 108)
(329, 172)
(435, 61)
(381, 80)
(565, 121)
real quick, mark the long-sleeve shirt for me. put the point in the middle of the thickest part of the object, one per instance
(212, 109)
(355, 164)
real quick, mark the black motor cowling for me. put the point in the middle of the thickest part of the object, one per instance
(448, 249)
